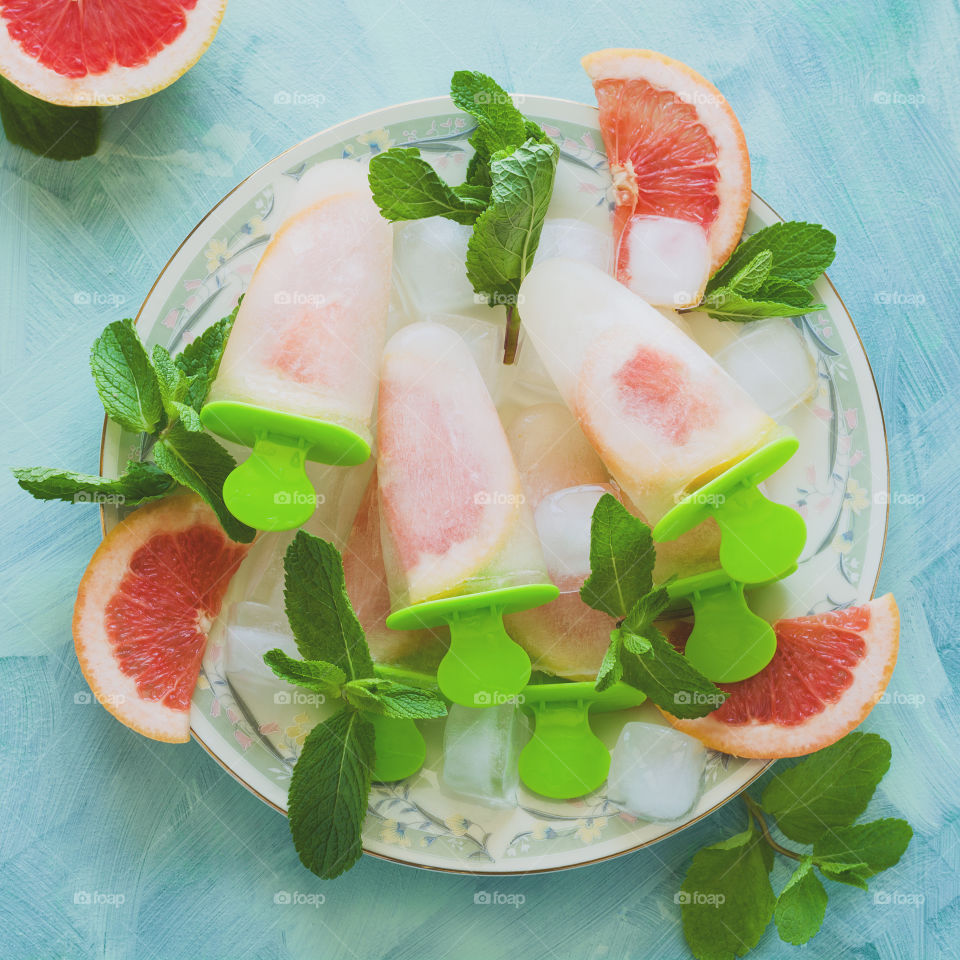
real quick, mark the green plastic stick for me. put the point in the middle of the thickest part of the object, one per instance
(271, 490)
(483, 666)
(565, 758)
(759, 539)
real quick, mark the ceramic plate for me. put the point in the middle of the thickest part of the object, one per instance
(838, 480)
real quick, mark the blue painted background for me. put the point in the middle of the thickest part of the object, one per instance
(850, 111)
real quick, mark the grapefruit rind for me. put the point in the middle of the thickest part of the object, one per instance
(118, 84)
(716, 114)
(114, 690)
(768, 741)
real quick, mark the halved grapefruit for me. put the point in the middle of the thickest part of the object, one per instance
(828, 672)
(676, 151)
(102, 52)
(144, 608)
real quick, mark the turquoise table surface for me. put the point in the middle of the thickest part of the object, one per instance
(850, 111)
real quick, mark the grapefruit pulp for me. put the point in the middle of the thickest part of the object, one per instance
(828, 672)
(83, 53)
(144, 608)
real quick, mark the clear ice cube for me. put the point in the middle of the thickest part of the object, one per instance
(429, 265)
(656, 772)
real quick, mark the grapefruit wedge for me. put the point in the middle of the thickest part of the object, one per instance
(102, 52)
(828, 672)
(677, 152)
(144, 608)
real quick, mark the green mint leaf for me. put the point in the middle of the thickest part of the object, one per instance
(46, 129)
(318, 608)
(327, 801)
(786, 291)
(643, 613)
(500, 125)
(505, 236)
(406, 187)
(725, 304)
(828, 789)
(668, 678)
(726, 898)
(125, 379)
(801, 905)
(611, 667)
(854, 874)
(801, 252)
(747, 281)
(478, 169)
(316, 675)
(200, 360)
(197, 461)
(174, 383)
(877, 845)
(392, 699)
(622, 556)
(139, 483)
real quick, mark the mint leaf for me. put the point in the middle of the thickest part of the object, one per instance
(801, 905)
(327, 801)
(611, 667)
(125, 379)
(197, 461)
(877, 845)
(747, 281)
(139, 483)
(318, 608)
(500, 125)
(725, 304)
(174, 383)
(854, 874)
(801, 252)
(49, 130)
(828, 789)
(668, 679)
(788, 292)
(200, 360)
(505, 236)
(726, 898)
(317, 675)
(406, 187)
(622, 556)
(392, 699)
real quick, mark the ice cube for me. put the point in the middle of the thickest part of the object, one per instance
(668, 260)
(253, 629)
(656, 772)
(576, 240)
(481, 747)
(770, 360)
(429, 265)
(563, 521)
(712, 335)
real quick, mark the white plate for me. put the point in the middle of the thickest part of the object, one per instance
(839, 479)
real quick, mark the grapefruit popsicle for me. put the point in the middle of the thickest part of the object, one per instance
(298, 377)
(458, 538)
(670, 425)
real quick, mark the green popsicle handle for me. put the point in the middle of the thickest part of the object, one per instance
(271, 490)
(483, 666)
(759, 539)
(399, 748)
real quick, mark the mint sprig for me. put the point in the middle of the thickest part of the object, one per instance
(727, 899)
(769, 273)
(47, 129)
(331, 780)
(622, 557)
(505, 196)
(159, 396)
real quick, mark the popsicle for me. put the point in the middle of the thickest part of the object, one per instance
(563, 479)
(458, 537)
(298, 377)
(680, 437)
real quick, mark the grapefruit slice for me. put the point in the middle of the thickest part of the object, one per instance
(144, 608)
(676, 151)
(828, 672)
(102, 52)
